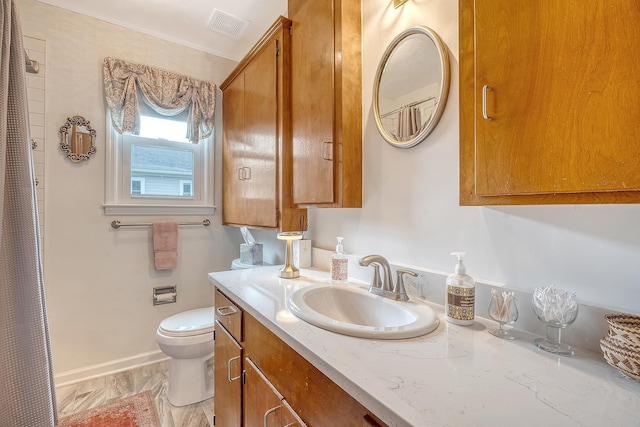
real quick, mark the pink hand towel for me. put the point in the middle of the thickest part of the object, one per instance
(165, 245)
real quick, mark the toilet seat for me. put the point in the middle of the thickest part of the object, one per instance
(188, 323)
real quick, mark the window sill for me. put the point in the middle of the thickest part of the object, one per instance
(158, 210)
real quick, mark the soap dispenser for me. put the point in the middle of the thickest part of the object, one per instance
(339, 264)
(460, 297)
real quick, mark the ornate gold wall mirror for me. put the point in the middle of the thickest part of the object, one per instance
(78, 139)
(411, 87)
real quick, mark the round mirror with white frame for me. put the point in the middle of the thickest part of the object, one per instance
(411, 87)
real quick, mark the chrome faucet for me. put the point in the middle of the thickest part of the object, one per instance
(385, 287)
(378, 260)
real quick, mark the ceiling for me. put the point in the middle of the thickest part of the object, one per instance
(185, 21)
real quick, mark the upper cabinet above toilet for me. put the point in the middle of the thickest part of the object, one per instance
(292, 134)
(256, 138)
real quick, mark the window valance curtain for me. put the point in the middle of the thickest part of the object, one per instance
(166, 93)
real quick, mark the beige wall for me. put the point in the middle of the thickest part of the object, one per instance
(411, 214)
(99, 281)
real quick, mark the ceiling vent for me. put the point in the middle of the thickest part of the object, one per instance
(229, 25)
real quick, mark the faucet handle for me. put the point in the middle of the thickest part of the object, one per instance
(399, 289)
(376, 282)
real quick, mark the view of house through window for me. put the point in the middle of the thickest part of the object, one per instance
(159, 170)
(162, 159)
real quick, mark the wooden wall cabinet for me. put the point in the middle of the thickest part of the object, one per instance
(326, 111)
(548, 102)
(256, 138)
(279, 385)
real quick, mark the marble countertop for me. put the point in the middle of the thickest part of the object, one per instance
(455, 376)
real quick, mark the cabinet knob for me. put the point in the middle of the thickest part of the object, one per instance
(485, 89)
(244, 173)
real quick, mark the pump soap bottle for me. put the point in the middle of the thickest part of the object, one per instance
(339, 264)
(461, 290)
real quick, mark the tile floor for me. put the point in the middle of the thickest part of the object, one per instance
(99, 391)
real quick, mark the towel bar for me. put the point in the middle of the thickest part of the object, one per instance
(117, 224)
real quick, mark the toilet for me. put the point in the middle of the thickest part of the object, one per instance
(187, 338)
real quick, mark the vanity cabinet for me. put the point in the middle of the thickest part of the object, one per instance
(263, 404)
(326, 110)
(280, 387)
(313, 396)
(256, 138)
(548, 102)
(227, 362)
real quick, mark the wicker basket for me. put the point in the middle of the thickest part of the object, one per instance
(624, 329)
(624, 357)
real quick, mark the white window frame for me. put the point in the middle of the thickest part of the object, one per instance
(118, 199)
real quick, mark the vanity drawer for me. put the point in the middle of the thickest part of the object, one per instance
(229, 315)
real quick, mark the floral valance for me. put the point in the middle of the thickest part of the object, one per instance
(166, 93)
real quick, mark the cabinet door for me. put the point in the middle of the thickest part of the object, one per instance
(261, 138)
(559, 86)
(312, 102)
(318, 400)
(233, 140)
(227, 379)
(261, 400)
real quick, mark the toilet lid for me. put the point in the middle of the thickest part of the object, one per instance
(188, 323)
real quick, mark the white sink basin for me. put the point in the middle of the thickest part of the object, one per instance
(350, 309)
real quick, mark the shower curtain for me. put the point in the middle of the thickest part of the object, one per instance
(409, 123)
(27, 391)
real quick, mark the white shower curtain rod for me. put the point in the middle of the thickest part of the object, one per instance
(406, 106)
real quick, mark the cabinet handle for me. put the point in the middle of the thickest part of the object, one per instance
(240, 174)
(246, 175)
(485, 89)
(266, 415)
(327, 150)
(226, 311)
(229, 369)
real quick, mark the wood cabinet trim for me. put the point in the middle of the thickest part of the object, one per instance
(277, 26)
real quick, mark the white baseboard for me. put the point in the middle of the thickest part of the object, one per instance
(111, 367)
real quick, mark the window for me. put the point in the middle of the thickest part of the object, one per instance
(159, 171)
